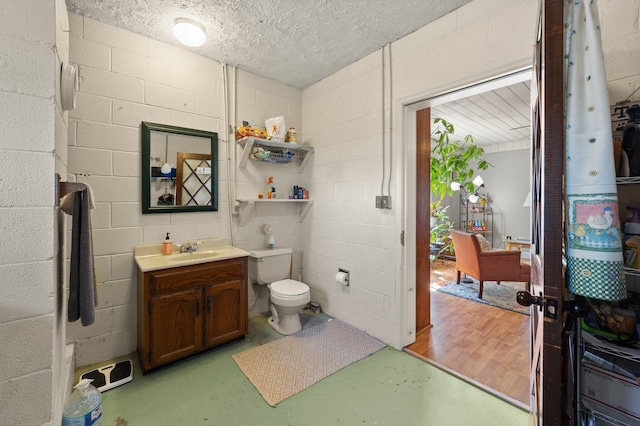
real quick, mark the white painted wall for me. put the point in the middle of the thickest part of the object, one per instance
(341, 116)
(125, 79)
(32, 149)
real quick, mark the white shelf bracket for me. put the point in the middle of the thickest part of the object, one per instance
(244, 157)
(246, 209)
(305, 161)
(302, 215)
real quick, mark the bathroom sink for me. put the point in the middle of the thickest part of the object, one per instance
(196, 255)
(150, 257)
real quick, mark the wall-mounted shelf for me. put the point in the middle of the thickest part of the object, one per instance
(280, 152)
(246, 207)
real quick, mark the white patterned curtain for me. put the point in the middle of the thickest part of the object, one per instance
(594, 243)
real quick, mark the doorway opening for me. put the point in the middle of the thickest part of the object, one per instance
(486, 345)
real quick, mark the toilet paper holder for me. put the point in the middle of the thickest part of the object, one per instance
(342, 277)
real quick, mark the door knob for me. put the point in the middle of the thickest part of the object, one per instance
(525, 298)
(551, 309)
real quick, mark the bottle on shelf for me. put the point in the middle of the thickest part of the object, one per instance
(292, 135)
(271, 189)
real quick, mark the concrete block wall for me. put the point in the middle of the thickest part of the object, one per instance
(125, 79)
(342, 117)
(29, 322)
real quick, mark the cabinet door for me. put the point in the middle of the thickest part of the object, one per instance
(226, 312)
(176, 326)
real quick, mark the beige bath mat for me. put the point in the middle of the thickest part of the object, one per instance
(291, 364)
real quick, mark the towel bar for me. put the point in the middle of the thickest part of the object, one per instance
(64, 188)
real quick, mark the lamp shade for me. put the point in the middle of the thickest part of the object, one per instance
(527, 200)
(477, 181)
(455, 186)
(474, 198)
(188, 32)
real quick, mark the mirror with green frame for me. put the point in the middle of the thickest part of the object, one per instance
(179, 169)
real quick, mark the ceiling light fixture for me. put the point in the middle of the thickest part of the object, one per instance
(188, 32)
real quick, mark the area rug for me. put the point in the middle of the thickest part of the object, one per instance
(286, 366)
(502, 296)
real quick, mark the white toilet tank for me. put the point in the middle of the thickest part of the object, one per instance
(269, 265)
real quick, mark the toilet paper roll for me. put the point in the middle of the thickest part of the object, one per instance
(342, 278)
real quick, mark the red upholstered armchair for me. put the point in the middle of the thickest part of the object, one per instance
(495, 265)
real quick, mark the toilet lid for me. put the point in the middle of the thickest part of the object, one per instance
(289, 287)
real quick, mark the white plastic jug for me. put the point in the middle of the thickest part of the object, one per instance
(84, 407)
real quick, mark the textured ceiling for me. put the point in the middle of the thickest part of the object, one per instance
(295, 42)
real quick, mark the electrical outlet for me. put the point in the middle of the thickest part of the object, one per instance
(383, 201)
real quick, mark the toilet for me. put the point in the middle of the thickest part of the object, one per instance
(288, 297)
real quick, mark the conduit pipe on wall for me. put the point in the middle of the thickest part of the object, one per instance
(235, 146)
(390, 119)
(384, 121)
(226, 128)
(383, 126)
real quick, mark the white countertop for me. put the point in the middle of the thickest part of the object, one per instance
(150, 257)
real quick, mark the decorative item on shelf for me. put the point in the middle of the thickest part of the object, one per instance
(271, 188)
(247, 130)
(259, 154)
(276, 130)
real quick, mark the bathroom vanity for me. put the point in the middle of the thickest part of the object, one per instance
(189, 302)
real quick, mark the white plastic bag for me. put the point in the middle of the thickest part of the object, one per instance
(276, 130)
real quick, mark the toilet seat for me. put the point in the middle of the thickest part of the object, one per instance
(289, 289)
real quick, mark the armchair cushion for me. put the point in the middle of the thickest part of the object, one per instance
(485, 245)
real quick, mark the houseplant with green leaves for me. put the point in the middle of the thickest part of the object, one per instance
(451, 160)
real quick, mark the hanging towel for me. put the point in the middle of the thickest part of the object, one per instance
(594, 244)
(83, 296)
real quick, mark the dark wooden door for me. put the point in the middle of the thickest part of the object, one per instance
(549, 357)
(176, 326)
(423, 191)
(225, 312)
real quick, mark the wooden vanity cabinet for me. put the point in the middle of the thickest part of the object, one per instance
(188, 309)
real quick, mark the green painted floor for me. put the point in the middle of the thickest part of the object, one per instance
(389, 387)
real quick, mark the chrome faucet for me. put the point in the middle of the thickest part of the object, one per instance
(188, 247)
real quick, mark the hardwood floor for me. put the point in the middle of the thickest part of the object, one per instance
(486, 345)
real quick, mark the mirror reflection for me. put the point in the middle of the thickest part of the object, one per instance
(179, 169)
